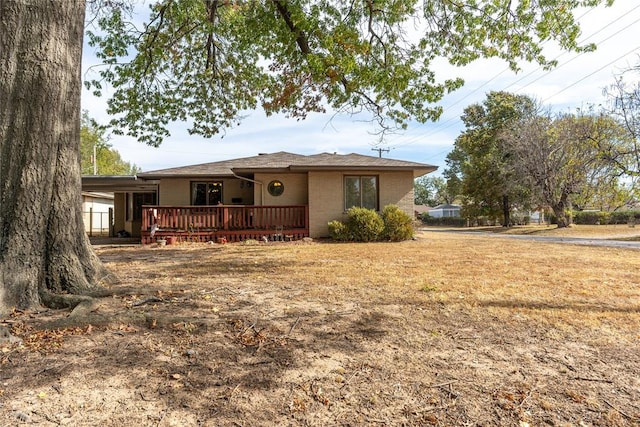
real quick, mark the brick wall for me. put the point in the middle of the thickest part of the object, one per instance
(326, 196)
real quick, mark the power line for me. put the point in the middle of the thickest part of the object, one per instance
(580, 54)
(576, 57)
(454, 120)
(468, 95)
(591, 74)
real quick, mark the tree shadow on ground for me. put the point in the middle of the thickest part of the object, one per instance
(577, 306)
(175, 354)
(523, 231)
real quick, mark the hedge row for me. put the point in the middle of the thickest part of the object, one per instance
(603, 218)
(444, 221)
(579, 217)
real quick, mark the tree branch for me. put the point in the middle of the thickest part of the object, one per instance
(212, 13)
(301, 37)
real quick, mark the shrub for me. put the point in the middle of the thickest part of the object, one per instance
(601, 217)
(444, 221)
(398, 225)
(624, 217)
(619, 217)
(364, 225)
(604, 217)
(586, 217)
(338, 231)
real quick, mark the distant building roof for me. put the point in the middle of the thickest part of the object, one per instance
(447, 206)
(421, 208)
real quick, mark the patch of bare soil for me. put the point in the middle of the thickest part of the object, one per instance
(445, 330)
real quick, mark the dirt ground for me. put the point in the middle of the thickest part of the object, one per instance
(445, 330)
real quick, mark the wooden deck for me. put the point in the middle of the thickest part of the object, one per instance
(231, 222)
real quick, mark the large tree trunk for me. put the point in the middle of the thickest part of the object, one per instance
(562, 211)
(506, 211)
(43, 247)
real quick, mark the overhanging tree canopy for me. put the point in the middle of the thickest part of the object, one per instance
(209, 61)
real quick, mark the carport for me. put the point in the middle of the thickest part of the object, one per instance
(130, 193)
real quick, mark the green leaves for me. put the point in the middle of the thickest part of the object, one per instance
(513, 31)
(562, 159)
(207, 62)
(431, 191)
(480, 164)
(93, 141)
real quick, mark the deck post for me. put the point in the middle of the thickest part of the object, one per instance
(145, 219)
(225, 217)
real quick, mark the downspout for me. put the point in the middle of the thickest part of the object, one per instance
(255, 182)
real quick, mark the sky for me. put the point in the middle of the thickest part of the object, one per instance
(577, 82)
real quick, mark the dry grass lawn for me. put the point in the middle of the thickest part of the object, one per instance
(449, 329)
(616, 232)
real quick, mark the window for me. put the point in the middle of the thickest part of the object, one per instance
(275, 188)
(206, 193)
(361, 191)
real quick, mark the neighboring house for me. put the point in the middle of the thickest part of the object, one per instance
(445, 211)
(96, 209)
(280, 194)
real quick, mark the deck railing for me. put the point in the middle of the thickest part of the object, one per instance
(230, 221)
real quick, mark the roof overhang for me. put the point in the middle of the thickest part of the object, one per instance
(205, 175)
(417, 172)
(423, 171)
(232, 173)
(116, 184)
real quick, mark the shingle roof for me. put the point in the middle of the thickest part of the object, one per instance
(283, 161)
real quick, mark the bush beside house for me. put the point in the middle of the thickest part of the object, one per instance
(366, 225)
(398, 226)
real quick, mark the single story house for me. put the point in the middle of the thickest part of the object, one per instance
(282, 195)
(445, 211)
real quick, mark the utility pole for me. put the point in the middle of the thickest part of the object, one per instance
(95, 160)
(380, 150)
